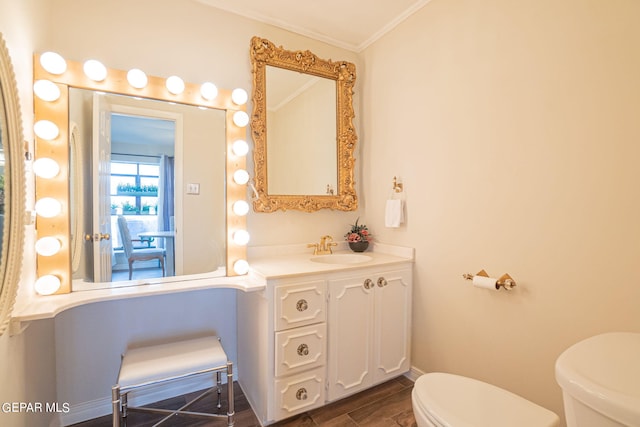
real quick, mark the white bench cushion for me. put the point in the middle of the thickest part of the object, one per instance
(173, 360)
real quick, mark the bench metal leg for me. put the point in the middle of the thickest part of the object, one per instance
(115, 404)
(231, 414)
(219, 384)
(124, 399)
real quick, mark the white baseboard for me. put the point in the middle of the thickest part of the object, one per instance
(414, 373)
(100, 407)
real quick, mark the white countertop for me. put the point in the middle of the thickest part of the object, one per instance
(275, 263)
(266, 262)
(36, 307)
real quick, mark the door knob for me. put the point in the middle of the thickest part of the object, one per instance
(96, 237)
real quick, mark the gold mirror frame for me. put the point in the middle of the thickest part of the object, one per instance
(13, 232)
(263, 53)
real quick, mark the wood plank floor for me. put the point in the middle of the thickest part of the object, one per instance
(385, 405)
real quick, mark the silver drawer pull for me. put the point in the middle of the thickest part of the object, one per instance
(382, 281)
(301, 394)
(303, 350)
(368, 284)
(302, 305)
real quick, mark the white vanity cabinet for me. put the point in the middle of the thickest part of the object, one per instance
(318, 332)
(282, 347)
(369, 330)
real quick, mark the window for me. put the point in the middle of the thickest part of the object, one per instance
(134, 188)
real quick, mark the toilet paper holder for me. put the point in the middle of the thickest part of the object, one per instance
(504, 281)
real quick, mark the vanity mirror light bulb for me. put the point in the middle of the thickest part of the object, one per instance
(47, 285)
(240, 147)
(95, 70)
(175, 85)
(48, 207)
(241, 237)
(241, 177)
(240, 208)
(239, 96)
(137, 78)
(46, 168)
(209, 91)
(241, 267)
(53, 63)
(46, 90)
(240, 119)
(46, 129)
(48, 246)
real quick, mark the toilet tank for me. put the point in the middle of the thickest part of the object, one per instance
(600, 381)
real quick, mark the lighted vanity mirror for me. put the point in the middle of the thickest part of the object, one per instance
(166, 183)
(12, 192)
(160, 164)
(302, 127)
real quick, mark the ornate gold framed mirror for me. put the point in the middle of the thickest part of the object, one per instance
(302, 128)
(12, 192)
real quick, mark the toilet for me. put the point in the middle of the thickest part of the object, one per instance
(447, 400)
(600, 381)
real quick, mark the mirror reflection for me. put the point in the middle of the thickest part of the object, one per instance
(64, 225)
(302, 144)
(157, 171)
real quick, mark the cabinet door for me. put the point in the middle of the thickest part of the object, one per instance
(300, 304)
(350, 335)
(392, 346)
(300, 349)
(298, 393)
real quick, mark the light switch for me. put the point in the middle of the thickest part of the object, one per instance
(193, 188)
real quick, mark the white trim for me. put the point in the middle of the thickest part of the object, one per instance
(414, 373)
(391, 25)
(239, 10)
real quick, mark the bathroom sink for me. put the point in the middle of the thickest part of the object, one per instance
(341, 258)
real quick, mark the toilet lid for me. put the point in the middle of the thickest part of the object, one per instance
(455, 401)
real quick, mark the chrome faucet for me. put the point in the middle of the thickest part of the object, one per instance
(324, 247)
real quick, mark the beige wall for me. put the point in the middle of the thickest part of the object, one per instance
(514, 127)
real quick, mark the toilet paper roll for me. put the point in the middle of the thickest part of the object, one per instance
(485, 282)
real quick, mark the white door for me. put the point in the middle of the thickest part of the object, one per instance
(392, 347)
(102, 246)
(350, 335)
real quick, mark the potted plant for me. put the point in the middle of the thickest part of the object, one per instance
(358, 237)
(125, 189)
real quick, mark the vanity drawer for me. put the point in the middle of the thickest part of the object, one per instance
(299, 393)
(300, 349)
(300, 304)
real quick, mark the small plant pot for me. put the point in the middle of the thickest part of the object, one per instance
(360, 246)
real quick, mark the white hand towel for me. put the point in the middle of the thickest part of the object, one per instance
(394, 213)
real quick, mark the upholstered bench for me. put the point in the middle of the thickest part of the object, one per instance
(152, 365)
